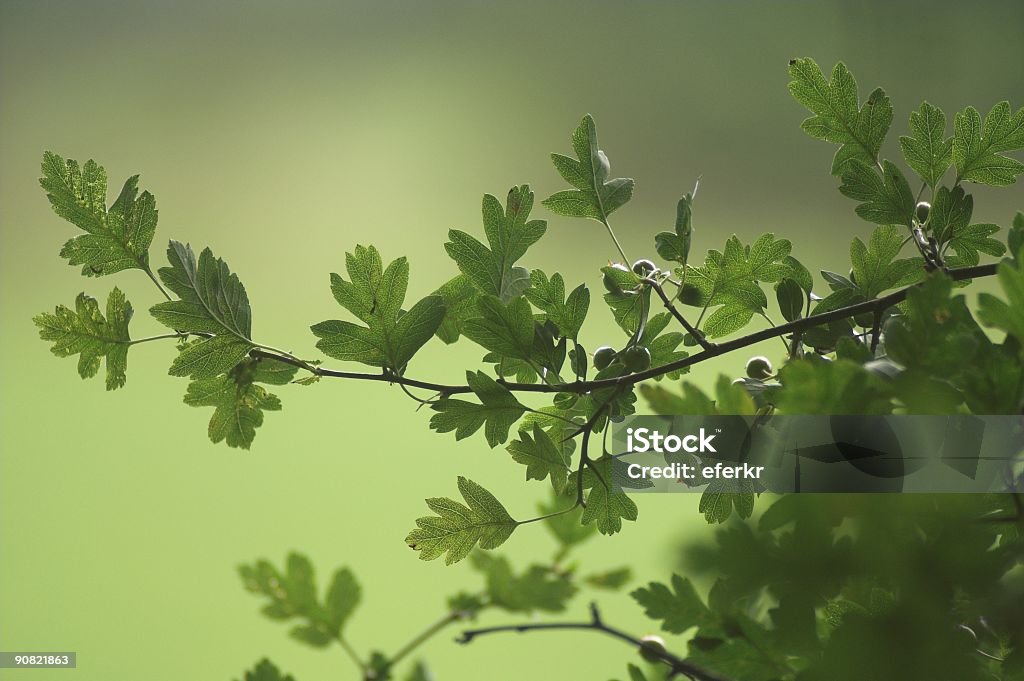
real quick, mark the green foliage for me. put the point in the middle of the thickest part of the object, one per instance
(498, 409)
(548, 295)
(238, 401)
(1009, 315)
(292, 595)
(978, 148)
(116, 239)
(85, 332)
(731, 279)
(266, 671)
(375, 295)
(928, 151)
(816, 588)
(838, 115)
(458, 527)
(539, 587)
(510, 233)
(213, 305)
(594, 196)
(541, 457)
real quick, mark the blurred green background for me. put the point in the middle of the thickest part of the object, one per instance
(283, 134)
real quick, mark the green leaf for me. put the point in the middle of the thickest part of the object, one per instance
(610, 579)
(292, 595)
(266, 671)
(977, 147)
(509, 234)
(675, 246)
(1015, 237)
(949, 222)
(594, 196)
(885, 200)
(212, 302)
(603, 505)
(375, 295)
(538, 588)
(540, 456)
(663, 346)
(875, 268)
(928, 151)
(731, 278)
(937, 333)
(815, 386)
(678, 608)
(568, 314)
(459, 297)
(237, 400)
(722, 496)
(790, 296)
(457, 527)
(567, 527)
(505, 329)
(839, 117)
(1006, 315)
(498, 409)
(117, 239)
(84, 331)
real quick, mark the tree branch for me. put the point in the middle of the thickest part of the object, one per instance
(581, 387)
(676, 664)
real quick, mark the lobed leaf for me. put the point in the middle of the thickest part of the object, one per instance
(978, 147)
(85, 332)
(116, 239)
(458, 527)
(498, 410)
(928, 151)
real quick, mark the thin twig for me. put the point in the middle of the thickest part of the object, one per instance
(670, 306)
(676, 664)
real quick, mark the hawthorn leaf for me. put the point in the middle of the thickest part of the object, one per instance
(566, 527)
(594, 196)
(611, 580)
(459, 298)
(266, 671)
(790, 296)
(458, 527)
(505, 329)
(949, 222)
(675, 246)
(722, 496)
(663, 346)
(927, 150)
(603, 505)
(509, 234)
(978, 147)
(213, 303)
(885, 200)
(116, 239)
(1006, 315)
(813, 386)
(85, 332)
(375, 295)
(237, 400)
(292, 595)
(541, 457)
(1015, 237)
(568, 314)
(838, 116)
(677, 608)
(875, 267)
(497, 411)
(539, 587)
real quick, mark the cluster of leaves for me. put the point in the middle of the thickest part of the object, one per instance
(893, 335)
(910, 587)
(291, 595)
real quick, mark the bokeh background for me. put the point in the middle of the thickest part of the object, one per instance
(281, 135)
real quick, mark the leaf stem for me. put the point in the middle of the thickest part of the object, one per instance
(423, 636)
(611, 233)
(149, 339)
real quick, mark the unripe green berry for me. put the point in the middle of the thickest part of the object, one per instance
(637, 358)
(759, 367)
(921, 211)
(643, 267)
(603, 357)
(652, 648)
